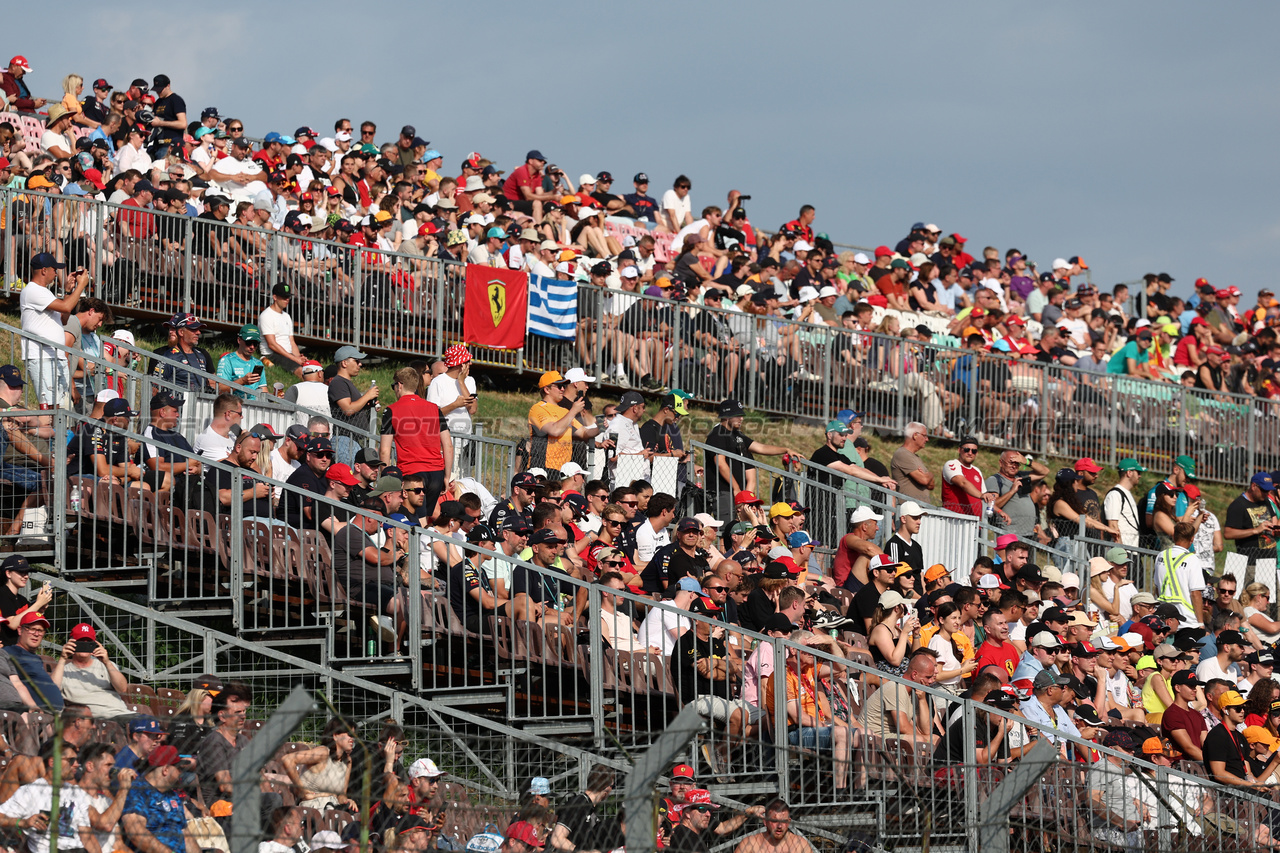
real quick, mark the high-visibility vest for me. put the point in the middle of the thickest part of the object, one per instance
(1171, 587)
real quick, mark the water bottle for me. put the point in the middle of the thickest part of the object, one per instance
(75, 500)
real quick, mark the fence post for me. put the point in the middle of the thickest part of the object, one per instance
(237, 554)
(438, 305)
(415, 607)
(246, 769)
(187, 264)
(828, 395)
(1182, 421)
(596, 662)
(1252, 444)
(901, 424)
(273, 267)
(754, 359)
(10, 267)
(357, 297)
(971, 776)
(677, 314)
(60, 486)
(598, 322)
(780, 741)
(99, 240)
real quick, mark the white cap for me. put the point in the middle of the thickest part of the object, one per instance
(808, 293)
(802, 246)
(1106, 644)
(327, 143)
(563, 267)
(424, 767)
(917, 259)
(475, 183)
(123, 335)
(304, 219)
(1070, 580)
(912, 509)
(629, 272)
(779, 551)
(989, 582)
(1032, 597)
(107, 394)
(343, 136)
(327, 839)
(571, 469)
(474, 219)
(628, 242)
(1061, 264)
(1045, 640)
(929, 226)
(1133, 640)
(538, 472)
(586, 179)
(577, 374)
(992, 284)
(706, 520)
(863, 514)
(1051, 573)
(861, 258)
(744, 289)
(1142, 324)
(827, 291)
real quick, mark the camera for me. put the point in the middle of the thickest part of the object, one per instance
(146, 115)
(744, 198)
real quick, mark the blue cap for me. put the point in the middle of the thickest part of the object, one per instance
(848, 415)
(799, 539)
(918, 226)
(288, 140)
(431, 154)
(144, 724)
(496, 232)
(689, 584)
(118, 408)
(1263, 481)
(44, 260)
(11, 376)
(540, 785)
(535, 154)
(400, 517)
(271, 137)
(1001, 345)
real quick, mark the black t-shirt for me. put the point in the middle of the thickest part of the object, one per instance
(685, 840)
(903, 551)
(682, 564)
(756, 609)
(464, 578)
(541, 587)
(950, 749)
(93, 110)
(863, 607)
(80, 452)
(112, 446)
(203, 227)
(690, 683)
(11, 604)
(588, 829)
(506, 510)
(644, 206)
(292, 505)
(1092, 506)
(655, 571)
(825, 455)
(730, 441)
(1223, 744)
(198, 359)
(321, 510)
(1244, 514)
(254, 507)
(168, 108)
(605, 198)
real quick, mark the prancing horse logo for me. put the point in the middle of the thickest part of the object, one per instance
(497, 300)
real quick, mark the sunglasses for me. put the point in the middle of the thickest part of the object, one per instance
(631, 503)
(620, 563)
(968, 450)
(612, 522)
(417, 491)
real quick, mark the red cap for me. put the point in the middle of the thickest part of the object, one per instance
(699, 797)
(791, 564)
(84, 631)
(4, 163)
(33, 616)
(745, 497)
(958, 238)
(1087, 464)
(682, 771)
(21, 62)
(523, 831)
(1088, 647)
(1233, 290)
(883, 251)
(94, 177)
(1200, 282)
(1215, 350)
(163, 756)
(341, 473)
(1015, 320)
(427, 228)
(1222, 294)
(1200, 321)
(1191, 491)
(1027, 349)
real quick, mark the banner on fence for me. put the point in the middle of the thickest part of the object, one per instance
(496, 307)
(553, 307)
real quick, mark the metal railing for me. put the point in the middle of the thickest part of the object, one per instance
(155, 264)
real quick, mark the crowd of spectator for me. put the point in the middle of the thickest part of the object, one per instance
(1092, 657)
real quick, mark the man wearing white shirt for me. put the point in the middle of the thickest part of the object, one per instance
(540, 261)
(28, 811)
(1119, 506)
(662, 627)
(454, 392)
(624, 429)
(1225, 664)
(652, 533)
(42, 317)
(238, 174)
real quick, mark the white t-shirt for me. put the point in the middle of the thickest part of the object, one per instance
(1118, 687)
(442, 391)
(280, 324)
(212, 446)
(629, 442)
(1202, 544)
(133, 158)
(1018, 631)
(101, 802)
(280, 470)
(49, 139)
(694, 227)
(1127, 592)
(1209, 669)
(1077, 332)
(36, 797)
(661, 628)
(946, 657)
(648, 541)
(38, 320)
(681, 206)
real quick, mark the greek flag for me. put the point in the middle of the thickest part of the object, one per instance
(553, 307)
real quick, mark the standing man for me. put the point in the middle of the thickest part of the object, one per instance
(420, 436)
(1089, 471)
(275, 328)
(734, 475)
(915, 481)
(43, 316)
(347, 405)
(170, 123)
(828, 502)
(1119, 506)
(625, 426)
(1179, 579)
(185, 350)
(1252, 521)
(963, 489)
(454, 391)
(1012, 487)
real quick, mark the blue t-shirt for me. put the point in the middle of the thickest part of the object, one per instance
(644, 206)
(163, 813)
(126, 758)
(36, 678)
(1119, 364)
(231, 367)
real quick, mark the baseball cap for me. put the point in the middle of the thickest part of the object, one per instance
(1045, 640)
(522, 830)
(689, 584)
(1087, 465)
(327, 839)
(249, 332)
(31, 617)
(1230, 699)
(15, 563)
(44, 260)
(424, 767)
(745, 497)
(1186, 677)
(629, 399)
(699, 797)
(838, 427)
(346, 352)
(545, 536)
(800, 539)
(164, 756)
(1263, 481)
(937, 570)
(11, 376)
(118, 409)
(1230, 638)
(340, 473)
(731, 409)
(318, 444)
(912, 509)
(780, 509)
(1047, 678)
(145, 724)
(1187, 464)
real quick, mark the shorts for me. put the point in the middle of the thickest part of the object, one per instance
(27, 479)
(284, 362)
(809, 737)
(51, 380)
(522, 205)
(433, 485)
(720, 709)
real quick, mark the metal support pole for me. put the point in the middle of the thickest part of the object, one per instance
(246, 769)
(596, 661)
(828, 393)
(237, 553)
(677, 314)
(781, 764)
(357, 296)
(752, 376)
(414, 631)
(60, 486)
(188, 268)
(438, 306)
(10, 251)
(1252, 445)
(971, 776)
(99, 246)
(641, 790)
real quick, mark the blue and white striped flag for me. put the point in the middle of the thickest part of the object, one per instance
(553, 307)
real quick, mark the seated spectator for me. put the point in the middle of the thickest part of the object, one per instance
(1118, 813)
(664, 625)
(368, 572)
(283, 831)
(110, 455)
(106, 789)
(1048, 689)
(706, 675)
(895, 710)
(13, 605)
(217, 441)
(155, 816)
(25, 655)
(254, 493)
(145, 734)
(31, 806)
(86, 675)
(217, 751)
(165, 469)
(552, 600)
(295, 509)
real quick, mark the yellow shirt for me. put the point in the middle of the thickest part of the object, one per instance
(559, 448)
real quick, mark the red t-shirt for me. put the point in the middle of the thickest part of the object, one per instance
(1182, 353)
(415, 424)
(520, 177)
(954, 499)
(886, 285)
(1179, 718)
(1004, 656)
(140, 224)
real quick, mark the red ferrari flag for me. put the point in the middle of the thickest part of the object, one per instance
(496, 307)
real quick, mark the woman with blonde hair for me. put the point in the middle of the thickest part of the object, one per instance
(73, 87)
(1157, 690)
(1257, 601)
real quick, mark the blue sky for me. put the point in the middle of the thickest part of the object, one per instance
(1137, 135)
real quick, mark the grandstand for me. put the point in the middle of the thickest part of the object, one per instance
(179, 584)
